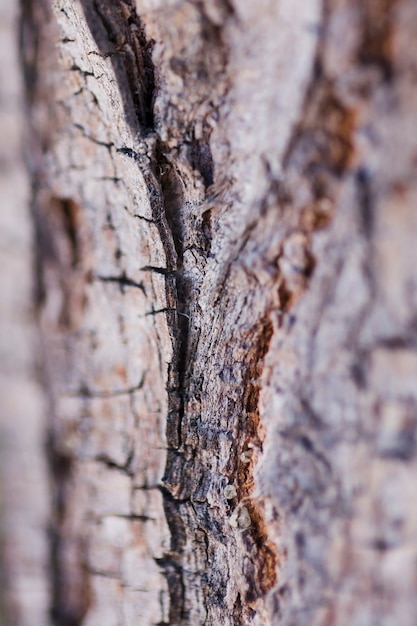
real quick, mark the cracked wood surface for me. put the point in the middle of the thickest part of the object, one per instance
(223, 198)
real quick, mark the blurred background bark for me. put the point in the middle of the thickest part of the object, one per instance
(24, 480)
(209, 313)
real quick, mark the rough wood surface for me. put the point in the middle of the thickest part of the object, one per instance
(223, 196)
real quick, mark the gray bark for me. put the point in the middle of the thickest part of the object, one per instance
(24, 501)
(223, 198)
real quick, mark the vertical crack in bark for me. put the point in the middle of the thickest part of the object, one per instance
(119, 34)
(166, 203)
(186, 479)
(166, 209)
(195, 526)
(318, 156)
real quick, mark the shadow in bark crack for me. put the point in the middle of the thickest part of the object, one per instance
(118, 33)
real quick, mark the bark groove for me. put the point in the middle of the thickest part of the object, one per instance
(226, 299)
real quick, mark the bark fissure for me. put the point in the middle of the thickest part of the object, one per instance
(195, 525)
(123, 282)
(132, 62)
(223, 307)
(167, 202)
(119, 34)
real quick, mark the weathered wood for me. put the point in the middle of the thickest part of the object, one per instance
(224, 204)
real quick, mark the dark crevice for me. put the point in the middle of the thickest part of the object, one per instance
(119, 35)
(158, 311)
(70, 588)
(85, 73)
(166, 211)
(175, 578)
(160, 270)
(408, 341)
(173, 200)
(113, 179)
(201, 159)
(108, 462)
(98, 142)
(137, 85)
(129, 152)
(123, 281)
(376, 47)
(70, 593)
(170, 231)
(365, 200)
(86, 392)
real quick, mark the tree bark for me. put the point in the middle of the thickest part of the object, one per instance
(24, 501)
(223, 199)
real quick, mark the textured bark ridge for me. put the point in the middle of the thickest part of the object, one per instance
(223, 196)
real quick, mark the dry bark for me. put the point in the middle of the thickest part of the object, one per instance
(223, 197)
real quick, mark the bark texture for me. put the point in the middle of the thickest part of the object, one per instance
(224, 201)
(24, 501)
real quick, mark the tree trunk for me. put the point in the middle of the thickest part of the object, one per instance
(223, 198)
